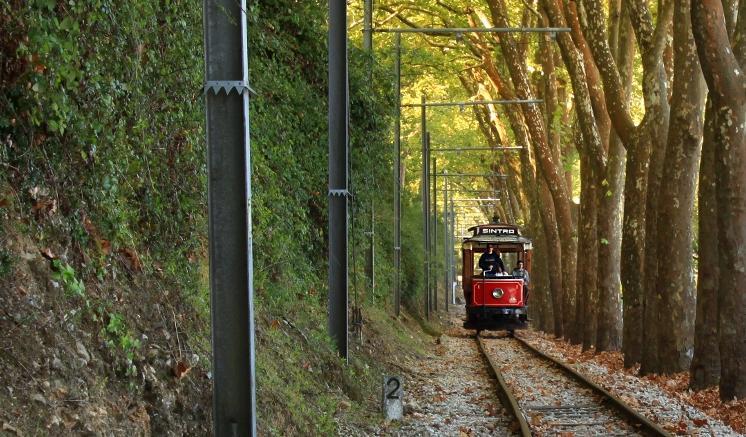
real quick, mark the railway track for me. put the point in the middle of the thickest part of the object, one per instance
(549, 398)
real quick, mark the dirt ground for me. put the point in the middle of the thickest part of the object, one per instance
(63, 373)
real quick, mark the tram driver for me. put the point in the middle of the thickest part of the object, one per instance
(491, 272)
(491, 257)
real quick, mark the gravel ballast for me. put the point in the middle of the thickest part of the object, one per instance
(452, 394)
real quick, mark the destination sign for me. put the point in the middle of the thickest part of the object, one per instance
(497, 231)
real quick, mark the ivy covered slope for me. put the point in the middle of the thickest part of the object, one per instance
(104, 302)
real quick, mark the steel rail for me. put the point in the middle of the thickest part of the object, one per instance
(505, 394)
(648, 427)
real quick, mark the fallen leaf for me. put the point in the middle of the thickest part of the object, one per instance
(89, 227)
(9, 428)
(48, 254)
(44, 207)
(699, 422)
(181, 369)
(133, 260)
(104, 245)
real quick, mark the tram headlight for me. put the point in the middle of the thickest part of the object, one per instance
(497, 293)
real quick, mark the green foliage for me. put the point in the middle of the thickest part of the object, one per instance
(6, 262)
(120, 337)
(65, 274)
(104, 112)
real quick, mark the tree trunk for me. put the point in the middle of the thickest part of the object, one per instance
(610, 221)
(587, 302)
(554, 250)
(609, 244)
(652, 133)
(721, 64)
(638, 142)
(611, 193)
(705, 369)
(676, 201)
(539, 293)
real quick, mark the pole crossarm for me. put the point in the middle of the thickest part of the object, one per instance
(461, 30)
(473, 103)
(484, 199)
(469, 149)
(459, 190)
(487, 175)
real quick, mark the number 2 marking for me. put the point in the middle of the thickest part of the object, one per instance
(392, 394)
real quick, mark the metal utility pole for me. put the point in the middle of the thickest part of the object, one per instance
(338, 176)
(230, 227)
(435, 232)
(452, 254)
(397, 178)
(371, 264)
(446, 265)
(425, 207)
(368, 25)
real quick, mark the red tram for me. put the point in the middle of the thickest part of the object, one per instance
(496, 302)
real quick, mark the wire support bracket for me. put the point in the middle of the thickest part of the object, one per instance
(240, 86)
(340, 193)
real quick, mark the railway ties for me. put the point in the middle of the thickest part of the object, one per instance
(575, 419)
(549, 399)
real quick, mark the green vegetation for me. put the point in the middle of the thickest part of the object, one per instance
(65, 274)
(120, 336)
(6, 262)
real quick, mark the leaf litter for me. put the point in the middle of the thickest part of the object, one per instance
(665, 399)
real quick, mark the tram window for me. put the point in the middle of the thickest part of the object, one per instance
(508, 255)
(509, 259)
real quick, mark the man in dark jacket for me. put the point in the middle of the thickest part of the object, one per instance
(492, 256)
(491, 272)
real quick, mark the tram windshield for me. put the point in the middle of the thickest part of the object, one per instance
(510, 255)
